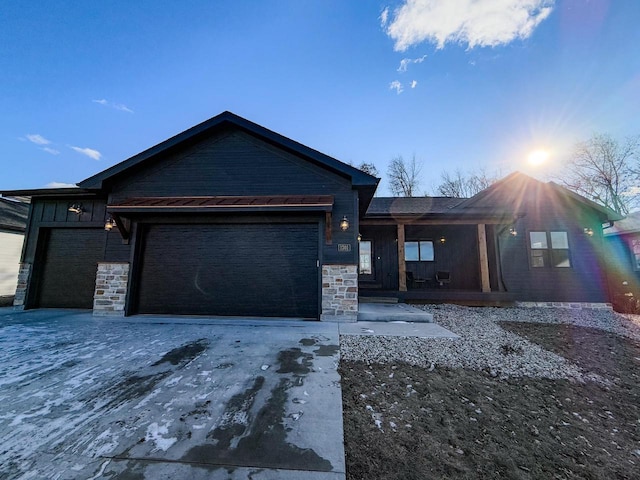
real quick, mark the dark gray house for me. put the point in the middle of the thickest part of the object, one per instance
(229, 218)
(226, 218)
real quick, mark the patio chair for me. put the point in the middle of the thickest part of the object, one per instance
(415, 282)
(443, 277)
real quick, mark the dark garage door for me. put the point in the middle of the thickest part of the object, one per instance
(68, 275)
(242, 270)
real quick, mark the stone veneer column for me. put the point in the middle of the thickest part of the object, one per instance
(21, 289)
(339, 293)
(111, 289)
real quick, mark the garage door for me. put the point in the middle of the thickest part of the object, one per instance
(239, 270)
(68, 274)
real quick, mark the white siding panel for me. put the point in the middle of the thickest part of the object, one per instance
(10, 250)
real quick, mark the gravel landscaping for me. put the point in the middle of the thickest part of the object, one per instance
(524, 393)
(484, 345)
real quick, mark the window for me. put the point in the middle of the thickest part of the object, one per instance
(365, 257)
(421, 251)
(549, 249)
(635, 250)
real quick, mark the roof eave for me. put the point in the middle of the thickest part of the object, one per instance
(49, 192)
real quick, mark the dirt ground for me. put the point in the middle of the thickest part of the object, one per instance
(405, 422)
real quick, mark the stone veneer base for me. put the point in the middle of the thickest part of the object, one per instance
(21, 289)
(572, 305)
(111, 289)
(339, 293)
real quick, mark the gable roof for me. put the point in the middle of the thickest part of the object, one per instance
(358, 178)
(516, 182)
(13, 215)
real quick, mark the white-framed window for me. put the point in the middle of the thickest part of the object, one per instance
(420, 251)
(366, 256)
(549, 249)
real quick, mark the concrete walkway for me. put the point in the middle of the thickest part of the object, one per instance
(392, 312)
(396, 329)
(149, 398)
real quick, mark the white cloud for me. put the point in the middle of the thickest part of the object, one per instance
(50, 150)
(414, 83)
(37, 139)
(118, 106)
(89, 152)
(60, 185)
(397, 86)
(474, 23)
(404, 63)
(384, 17)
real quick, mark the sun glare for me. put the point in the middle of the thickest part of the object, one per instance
(538, 157)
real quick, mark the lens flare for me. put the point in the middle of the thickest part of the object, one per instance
(538, 157)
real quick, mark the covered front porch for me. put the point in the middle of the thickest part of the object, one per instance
(432, 261)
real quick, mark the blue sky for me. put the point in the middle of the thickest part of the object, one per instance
(85, 85)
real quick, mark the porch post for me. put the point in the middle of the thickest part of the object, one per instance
(484, 258)
(402, 268)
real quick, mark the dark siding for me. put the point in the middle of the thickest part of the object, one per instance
(54, 213)
(238, 164)
(458, 255)
(66, 275)
(584, 281)
(117, 250)
(232, 269)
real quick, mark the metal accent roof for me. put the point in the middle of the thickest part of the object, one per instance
(286, 202)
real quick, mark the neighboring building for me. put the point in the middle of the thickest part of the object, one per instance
(13, 219)
(623, 245)
(229, 218)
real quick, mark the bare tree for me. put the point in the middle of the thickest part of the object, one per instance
(404, 177)
(605, 171)
(369, 168)
(464, 185)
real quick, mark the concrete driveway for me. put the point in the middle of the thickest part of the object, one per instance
(162, 398)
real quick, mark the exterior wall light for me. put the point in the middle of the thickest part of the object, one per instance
(443, 239)
(344, 224)
(513, 232)
(76, 208)
(110, 223)
(359, 237)
(588, 231)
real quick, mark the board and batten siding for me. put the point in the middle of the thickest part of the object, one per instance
(10, 250)
(584, 281)
(54, 213)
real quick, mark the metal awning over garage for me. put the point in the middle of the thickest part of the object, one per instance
(224, 203)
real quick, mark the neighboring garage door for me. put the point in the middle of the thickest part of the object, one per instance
(68, 275)
(240, 270)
